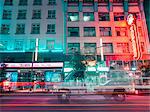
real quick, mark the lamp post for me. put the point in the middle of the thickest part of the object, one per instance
(101, 49)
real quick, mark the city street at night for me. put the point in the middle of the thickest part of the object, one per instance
(30, 102)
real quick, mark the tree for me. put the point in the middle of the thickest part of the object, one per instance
(78, 66)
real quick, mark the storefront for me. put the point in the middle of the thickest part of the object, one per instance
(21, 75)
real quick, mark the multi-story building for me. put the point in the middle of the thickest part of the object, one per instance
(22, 22)
(32, 31)
(89, 21)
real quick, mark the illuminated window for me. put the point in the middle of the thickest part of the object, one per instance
(105, 31)
(18, 45)
(37, 2)
(51, 2)
(73, 47)
(23, 2)
(121, 31)
(32, 44)
(3, 45)
(142, 46)
(7, 14)
(119, 16)
(89, 48)
(51, 14)
(20, 29)
(88, 16)
(22, 14)
(103, 16)
(51, 29)
(5, 29)
(108, 47)
(8, 2)
(35, 29)
(36, 14)
(89, 32)
(50, 44)
(73, 16)
(73, 31)
(122, 48)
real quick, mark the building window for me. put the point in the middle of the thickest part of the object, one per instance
(20, 29)
(88, 16)
(73, 16)
(23, 2)
(73, 31)
(37, 2)
(142, 47)
(103, 16)
(73, 47)
(51, 14)
(103, 1)
(108, 47)
(18, 45)
(51, 2)
(118, 16)
(51, 29)
(117, 1)
(36, 14)
(3, 45)
(88, 1)
(121, 31)
(105, 31)
(35, 29)
(5, 29)
(7, 14)
(50, 44)
(22, 14)
(8, 2)
(89, 32)
(73, 1)
(89, 48)
(32, 44)
(122, 48)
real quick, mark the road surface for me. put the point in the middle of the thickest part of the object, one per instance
(77, 103)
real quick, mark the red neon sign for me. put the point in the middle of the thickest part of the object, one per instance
(134, 37)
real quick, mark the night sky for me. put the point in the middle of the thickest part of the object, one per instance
(147, 13)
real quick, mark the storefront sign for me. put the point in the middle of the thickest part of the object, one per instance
(34, 65)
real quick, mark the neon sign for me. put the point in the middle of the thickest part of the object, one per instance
(134, 37)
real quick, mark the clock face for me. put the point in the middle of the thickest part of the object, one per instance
(130, 19)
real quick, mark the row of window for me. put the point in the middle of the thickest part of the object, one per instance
(25, 2)
(104, 31)
(53, 2)
(36, 14)
(18, 44)
(102, 1)
(90, 48)
(35, 29)
(102, 16)
(72, 16)
(72, 31)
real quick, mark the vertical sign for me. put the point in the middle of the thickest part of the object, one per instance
(134, 37)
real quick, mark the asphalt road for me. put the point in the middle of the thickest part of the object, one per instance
(77, 103)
